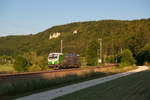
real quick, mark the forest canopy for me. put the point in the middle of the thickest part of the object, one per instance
(116, 35)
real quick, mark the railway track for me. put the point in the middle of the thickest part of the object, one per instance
(39, 73)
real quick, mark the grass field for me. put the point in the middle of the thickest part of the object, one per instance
(18, 88)
(133, 87)
(6, 68)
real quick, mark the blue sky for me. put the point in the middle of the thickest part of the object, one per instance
(32, 16)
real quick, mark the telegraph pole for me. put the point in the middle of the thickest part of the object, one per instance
(121, 50)
(100, 51)
(61, 45)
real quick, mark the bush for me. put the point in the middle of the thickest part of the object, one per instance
(110, 59)
(34, 68)
(43, 63)
(30, 62)
(83, 61)
(6, 60)
(122, 64)
(143, 55)
(20, 64)
(91, 57)
(36, 61)
(147, 63)
(127, 58)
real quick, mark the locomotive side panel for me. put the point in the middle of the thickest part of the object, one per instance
(70, 62)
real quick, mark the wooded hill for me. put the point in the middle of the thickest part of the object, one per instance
(115, 34)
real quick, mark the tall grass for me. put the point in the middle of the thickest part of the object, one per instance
(40, 83)
(6, 68)
(28, 85)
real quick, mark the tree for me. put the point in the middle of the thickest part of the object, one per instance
(144, 55)
(126, 34)
(20, 64)
(34, 68)
(137, 42)
(127, 58)
(35, 62)
(31, 57)
(91, 56)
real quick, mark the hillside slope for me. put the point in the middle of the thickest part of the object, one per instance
(116, 34)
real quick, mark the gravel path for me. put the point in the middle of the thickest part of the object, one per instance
(51, 94)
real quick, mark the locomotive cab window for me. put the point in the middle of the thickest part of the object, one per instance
(53, 56)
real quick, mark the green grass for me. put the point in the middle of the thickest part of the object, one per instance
(133, 87)
(33, 85)
(6, 68)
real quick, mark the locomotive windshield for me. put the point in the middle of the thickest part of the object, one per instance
(52, 56)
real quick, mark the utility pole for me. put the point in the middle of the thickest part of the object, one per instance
(100, 51)
(121, 50)
(112, 47)
(61, 45)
